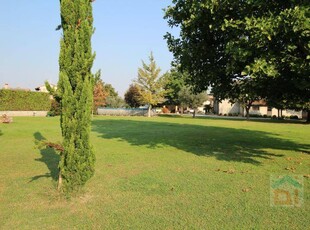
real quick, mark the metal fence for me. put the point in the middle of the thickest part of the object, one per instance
(123, 112)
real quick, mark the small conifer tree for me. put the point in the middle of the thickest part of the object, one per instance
(151, 84)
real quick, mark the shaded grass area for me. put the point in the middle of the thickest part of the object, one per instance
(251, 119)
(229, 144)
(158, 173)
(49, 157)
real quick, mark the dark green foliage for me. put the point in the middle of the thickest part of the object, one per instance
(55, 109)
(294, 117)
(76, 92)
(245, 50)
(174, 81)
(208, 108)
(19, 100)
(133, 96)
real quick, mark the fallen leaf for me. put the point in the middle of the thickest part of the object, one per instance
(230, 171)
(292, 169)
(246, 189)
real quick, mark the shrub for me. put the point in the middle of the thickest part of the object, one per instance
(295, 117)
(225, 114)
(220, 114)
(230, 114)
(55, 109)
(20, 100)
(265, 116)
(255, 115)
(274, 117)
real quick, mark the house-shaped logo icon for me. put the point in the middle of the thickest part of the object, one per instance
(286, 191)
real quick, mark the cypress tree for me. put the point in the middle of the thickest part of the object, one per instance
(76, 87)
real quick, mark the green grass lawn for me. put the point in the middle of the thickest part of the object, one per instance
(157, 173)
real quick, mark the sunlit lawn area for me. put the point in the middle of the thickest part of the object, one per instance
(157, 173)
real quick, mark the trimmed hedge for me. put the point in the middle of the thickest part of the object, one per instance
(19, 100)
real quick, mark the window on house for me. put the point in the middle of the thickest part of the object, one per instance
(255, 107)
(269, 108)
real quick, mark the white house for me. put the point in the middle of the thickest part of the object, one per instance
(257, 108)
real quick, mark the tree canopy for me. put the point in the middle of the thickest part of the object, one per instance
(188, 98)
(151, 83)
(174, 82)
(133, 96)
(227, 44)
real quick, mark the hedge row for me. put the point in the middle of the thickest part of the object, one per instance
(19, 100)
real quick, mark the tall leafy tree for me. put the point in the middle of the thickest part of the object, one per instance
(222, 42)
(76, 92)
(151, 84)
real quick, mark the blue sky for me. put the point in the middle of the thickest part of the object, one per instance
(126, 32)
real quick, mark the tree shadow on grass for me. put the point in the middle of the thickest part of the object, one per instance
(1, 133)
(227, 144)
(48, 157)
(253, 119)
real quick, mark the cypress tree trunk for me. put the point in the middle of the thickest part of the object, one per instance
(76, 87)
